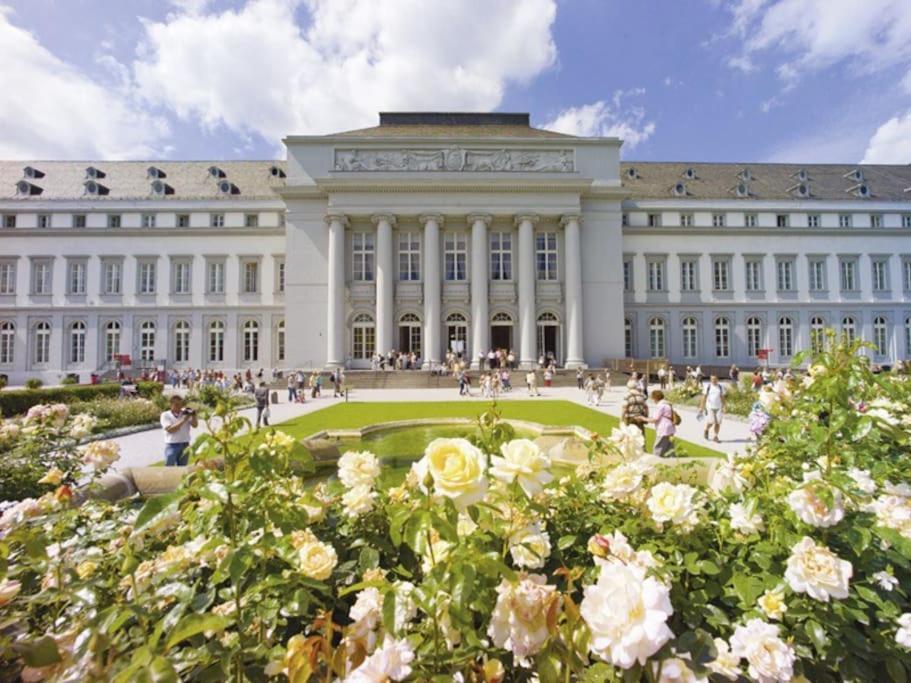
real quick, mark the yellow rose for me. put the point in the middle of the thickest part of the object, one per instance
(772, 603)
(317, 559)
(85, 569)
(457, 469)
(53, 477)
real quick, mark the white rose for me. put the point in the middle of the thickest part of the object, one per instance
(772, 603)
(893, 512)
(406, 608)
(863, 480)
(676, 670)
(725, 664)
(316, 559)
(621, 481)
(615, 547)
(530, 546)
(626, 612)
(358, 468)
(523, 462)
(903, 489)
(358, 500)
(457, 469)
(629, 441)
(727, 477)
(744, 518)
(391, 662)
(770, 659)
(522, 614)
(817, 571)
(101, 454)
(885, 580)
(366, 615)
(674, 503)
(903, 634)
(83, 424)
(810, 507)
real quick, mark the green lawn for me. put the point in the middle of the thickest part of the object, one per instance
(556, 413)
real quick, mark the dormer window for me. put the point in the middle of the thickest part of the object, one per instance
(862, 190)
(742, 190)
(93, 173)
(690, 173)
(26, 189)
(801, 190)
(801, 176)
(745, 175)
(227, 187)
(160, 188)
(215, 172)
(680, 189)
(856, 175)
(94, 189)
(632, 173)
(276, 172)
(155, 173)
(31, 172)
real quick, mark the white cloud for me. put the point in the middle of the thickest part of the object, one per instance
(49, 109)
(607, 119)
(891, 143)
(253, 70)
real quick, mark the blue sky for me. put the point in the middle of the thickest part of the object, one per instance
(700, 80)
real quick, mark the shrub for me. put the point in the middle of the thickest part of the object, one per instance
(69, 379)
(33, 383)
(4, 380)
(115, 413)
(149, 389)
(18, 401)
(210, 395)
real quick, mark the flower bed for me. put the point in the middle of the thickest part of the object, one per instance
(792, 561)
(18, 401)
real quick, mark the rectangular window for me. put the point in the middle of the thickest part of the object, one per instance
(9, 220)
(717, 220)
(112, 278)
(688, 271)
(628, 275)
(182, 275)
(364, 252)
(215, 277)
(656, 276)
(217, 220)
(624, 220)
(781, 220)
(721, 270)
(44, 220)
(785, 270)
(880, 275)
(501, 256)
(409, 256)
(844, 220)
(148, 220)
(750, 220)
(817, 267)
(251, 277)
(686, 220)
(114, 220)
(654, 220)
(183, 220)
(455, 256)
(251, 220)
(280, 275)
(546, 256)
(876, 220)
(753, 271)
(813, 220)
(79, 220)
(906, 220)
(147, 277)
(281, 224)
(41, 278)
(76, 277)
(906, 277)
(7, 277)
(848, 271)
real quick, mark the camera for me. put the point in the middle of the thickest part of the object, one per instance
(188, 411)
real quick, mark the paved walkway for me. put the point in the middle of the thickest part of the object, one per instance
(146, 448)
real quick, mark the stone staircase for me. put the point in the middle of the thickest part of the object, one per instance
(421, 379)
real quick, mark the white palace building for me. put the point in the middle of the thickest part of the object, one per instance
(433, 231)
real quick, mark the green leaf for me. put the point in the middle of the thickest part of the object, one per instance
(896, 670)
(161, 671)
(817, 635)
(40, 652)
(748, 588)
(709, 567)
(194, 624)
(565, 542)
(155, 508)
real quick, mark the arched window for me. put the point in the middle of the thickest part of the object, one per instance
(216, 341)
(690, 337)
(43, 342)
(547, 317)
(280, 341)
(456, 318)
(722, 337)
(627, 338)
(502, 318)
(817, 334)
(409, 318)
(182, 342)
(7, 342)
(848, 328)
(251, 341)
(77, 342)
(111, 341)
(147, 341)
(785, 337)
(880, 336)
(754, 336)
(363, 337)
(656, 337)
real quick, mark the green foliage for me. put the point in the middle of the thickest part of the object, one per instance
(33, 383)
(69, 380)
(210, 395)
(18, 401)
(116, 413)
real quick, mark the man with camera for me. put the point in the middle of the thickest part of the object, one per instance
(176, 422)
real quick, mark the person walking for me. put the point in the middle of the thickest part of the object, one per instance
(176, 422)
(531, 381)
(634, 410)
(711, 406)
(664, 425)
(580, 379)
(292, 387)
(261, 395)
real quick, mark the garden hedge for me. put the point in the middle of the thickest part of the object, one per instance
(18, 401)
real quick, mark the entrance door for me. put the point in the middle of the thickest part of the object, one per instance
(501, 337)
(457, 335)
(549, 336)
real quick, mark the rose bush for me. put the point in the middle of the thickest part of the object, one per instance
(488, 562)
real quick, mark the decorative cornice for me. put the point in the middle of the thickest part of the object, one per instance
(522, 217)
(472, 217)
(567, 217)
(436, 217)
(452, 182)
(377, 218)
(335, 216)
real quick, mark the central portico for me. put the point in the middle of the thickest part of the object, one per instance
(435, 232)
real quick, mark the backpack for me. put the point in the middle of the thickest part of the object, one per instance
(675, 417)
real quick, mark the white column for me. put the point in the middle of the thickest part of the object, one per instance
(432, 302)
(385, 283)
(572, 278)
(335, 332)
(480, 313)
(527, 322)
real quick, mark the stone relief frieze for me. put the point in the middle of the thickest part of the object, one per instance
(455, 159)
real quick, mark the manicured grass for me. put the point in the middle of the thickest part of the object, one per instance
(556, 413)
